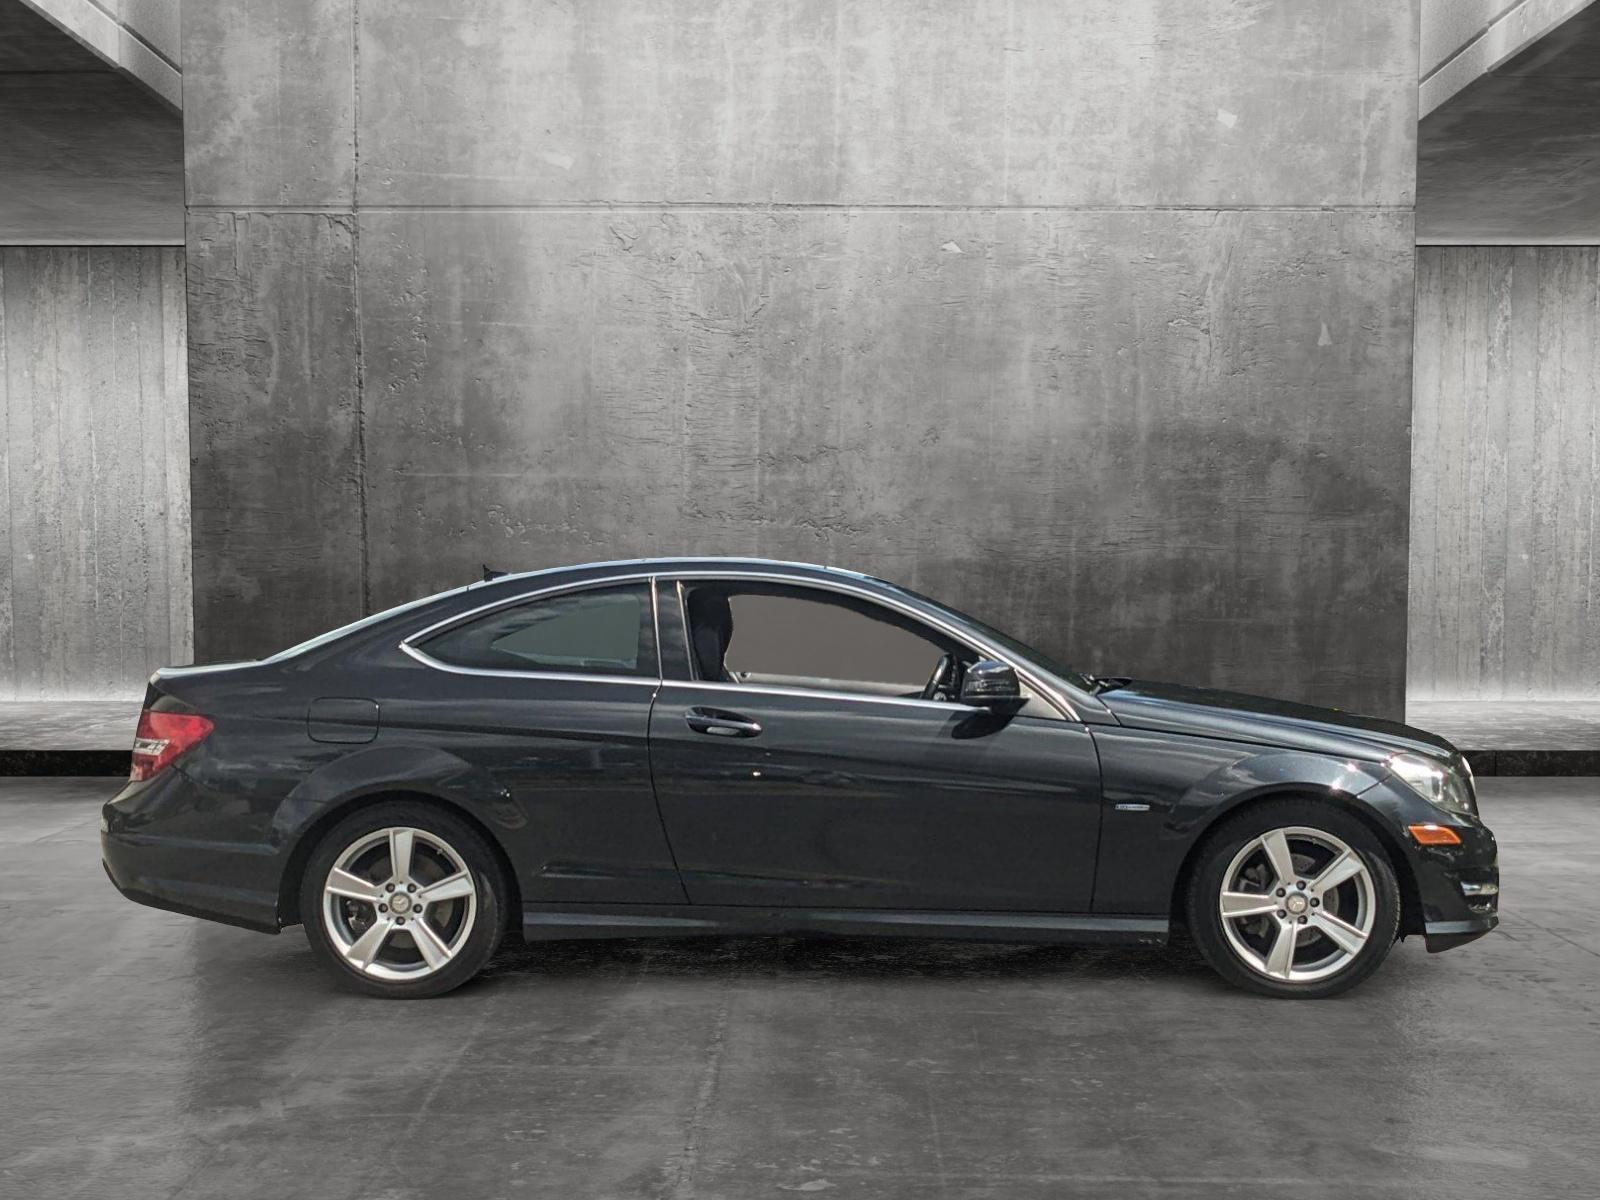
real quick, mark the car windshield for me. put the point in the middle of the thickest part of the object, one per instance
(1004, 640)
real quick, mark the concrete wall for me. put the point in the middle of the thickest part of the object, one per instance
(1094, 317)
(1505, 576)
(94, 565)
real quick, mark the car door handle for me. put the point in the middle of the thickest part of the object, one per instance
(720, 724)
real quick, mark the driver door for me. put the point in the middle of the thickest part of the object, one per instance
(806, 770)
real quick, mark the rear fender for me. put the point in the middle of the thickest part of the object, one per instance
(382, 769)
(343, 784)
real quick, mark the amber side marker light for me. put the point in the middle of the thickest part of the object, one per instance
(1434, 835)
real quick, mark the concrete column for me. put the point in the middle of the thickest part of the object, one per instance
(94, 470)
(1094, 318)
(1505, 519)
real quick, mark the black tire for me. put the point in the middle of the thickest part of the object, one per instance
(1206, 924)
(486, 913)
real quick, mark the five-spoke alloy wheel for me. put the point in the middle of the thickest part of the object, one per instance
(1294, 898)
(403, 900)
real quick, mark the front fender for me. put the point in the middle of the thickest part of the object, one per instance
(1269, 771)
(1164, 790)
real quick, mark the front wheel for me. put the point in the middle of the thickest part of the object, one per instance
(403, 900)
(1294, 899)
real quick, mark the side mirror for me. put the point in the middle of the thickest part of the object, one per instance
(990, 684)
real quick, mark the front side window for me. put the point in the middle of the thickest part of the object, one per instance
(602, 631)
(792, 637)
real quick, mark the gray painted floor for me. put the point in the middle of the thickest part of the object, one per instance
(1470, 724)
(148, 1055)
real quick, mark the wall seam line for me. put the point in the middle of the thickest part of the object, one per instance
(761, 206)
(363, 568)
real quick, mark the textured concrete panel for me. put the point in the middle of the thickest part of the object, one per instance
(1100, 102)
(1169, 444)
(1031, 305)
(1505, 575)
(269, 102)
(94, 470)
(273, 422)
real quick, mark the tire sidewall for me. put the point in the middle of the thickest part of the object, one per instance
(1218, 851)
(488, 925)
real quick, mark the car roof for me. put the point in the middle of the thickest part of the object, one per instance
(507, 582)
(700, 563)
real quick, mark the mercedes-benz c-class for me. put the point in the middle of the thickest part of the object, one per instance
(724, 746)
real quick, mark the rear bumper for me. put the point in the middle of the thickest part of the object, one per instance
(157, 849)
(248, 910)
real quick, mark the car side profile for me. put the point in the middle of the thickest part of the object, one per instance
(728, 746)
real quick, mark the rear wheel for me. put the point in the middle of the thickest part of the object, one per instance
(1294, 899)
(403, 900)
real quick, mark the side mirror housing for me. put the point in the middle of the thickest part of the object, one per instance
(990, 684)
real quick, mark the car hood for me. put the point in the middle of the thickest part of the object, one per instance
(1169, 707)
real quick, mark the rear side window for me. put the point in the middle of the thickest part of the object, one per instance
(604, 631)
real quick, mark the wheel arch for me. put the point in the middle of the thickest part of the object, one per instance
(309, 837)
(1411, 919)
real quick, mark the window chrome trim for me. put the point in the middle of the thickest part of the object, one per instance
(655, 627)
(407, 645)
(761, 689)
(1051, 696)
(683, 623)
(560, 676)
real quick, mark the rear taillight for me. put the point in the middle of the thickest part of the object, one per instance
(163, 737)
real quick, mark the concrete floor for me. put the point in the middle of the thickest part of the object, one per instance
(147, 1055)
(68, 724)
(1510, 724)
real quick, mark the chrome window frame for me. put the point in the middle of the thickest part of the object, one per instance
(408, 646)
(1052, 696)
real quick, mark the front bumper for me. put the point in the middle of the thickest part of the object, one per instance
(1447, 935)
(1459, 887)
(1457, 894)
(159, 849)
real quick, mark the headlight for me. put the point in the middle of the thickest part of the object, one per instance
(1434, 782)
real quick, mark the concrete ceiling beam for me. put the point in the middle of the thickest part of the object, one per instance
(138, 37)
